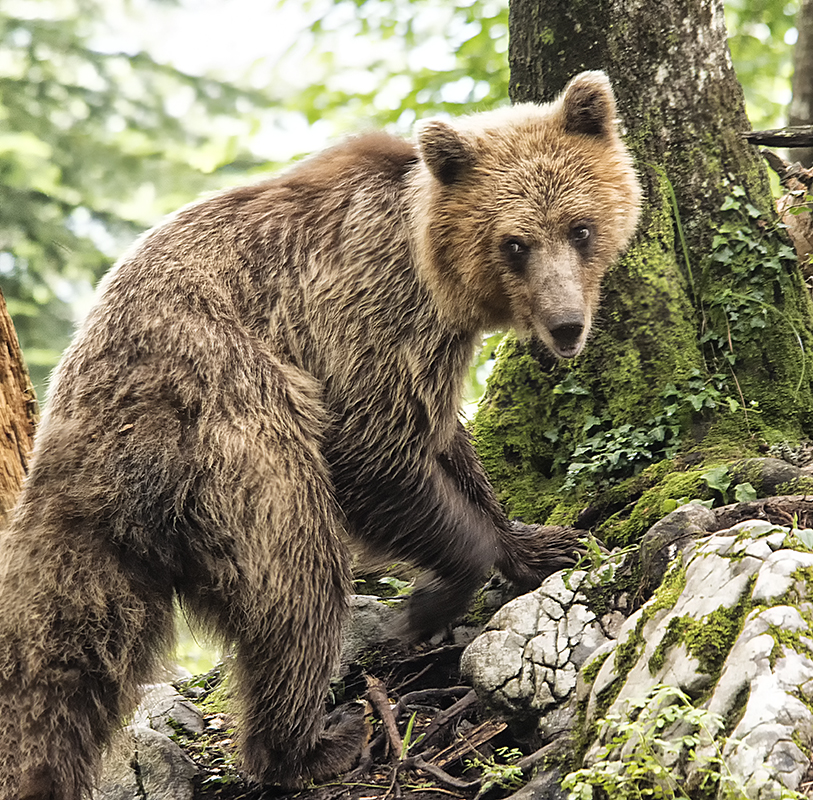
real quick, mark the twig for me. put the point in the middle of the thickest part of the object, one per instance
(377, 694)
(423, 696)
(394, 788)
(412, 678)
(470, 742)
(440, 775)
(449, 715)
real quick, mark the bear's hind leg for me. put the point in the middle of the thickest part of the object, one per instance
(78, 634)
(277, 584)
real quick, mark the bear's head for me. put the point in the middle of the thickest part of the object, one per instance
(518, 213)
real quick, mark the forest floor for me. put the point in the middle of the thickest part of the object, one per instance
(428, 738)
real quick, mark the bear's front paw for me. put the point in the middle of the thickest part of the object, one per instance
(531, 553)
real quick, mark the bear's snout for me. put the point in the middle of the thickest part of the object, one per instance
(567, 330)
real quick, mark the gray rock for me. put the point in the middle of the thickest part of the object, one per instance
(545, 785)
(766, 475)
(162, 708)
(527, 663)
(143, 764)
(761, 670)
(373, 624)
(670, 535)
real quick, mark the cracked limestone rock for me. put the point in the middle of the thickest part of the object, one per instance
(527, 660)
(163, 709)
(143, 762)
(731, 627)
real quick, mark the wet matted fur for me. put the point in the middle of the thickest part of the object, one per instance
(266, 371)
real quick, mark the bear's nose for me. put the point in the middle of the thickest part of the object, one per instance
(566, 330)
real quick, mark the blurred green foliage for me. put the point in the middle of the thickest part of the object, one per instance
(94, 143)
(761, 39)
(418, 58)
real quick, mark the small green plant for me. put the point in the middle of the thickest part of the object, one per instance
(746, 246)
(504, 774)
(596, 559)
(801, 538)
(642, 745)
(408, 742)
(609, 454)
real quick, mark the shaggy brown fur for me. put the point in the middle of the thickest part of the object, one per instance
(269, 369)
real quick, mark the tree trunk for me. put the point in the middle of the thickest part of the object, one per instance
(701, 349)
(18, 414)
(801, 106)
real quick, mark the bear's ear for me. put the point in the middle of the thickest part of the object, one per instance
(444, 151)
(588, 105)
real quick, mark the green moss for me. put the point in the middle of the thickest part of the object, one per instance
(672, 585)
(801, 485)
(479, 612)
(600, 595)
(675, 633)
(710, 639)
(218, 701)
(592, 669)
(627, 652)
(785, 639)
(630, 523)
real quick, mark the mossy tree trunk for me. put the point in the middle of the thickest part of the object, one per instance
(702, 348)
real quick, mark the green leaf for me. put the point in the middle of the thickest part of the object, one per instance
(718, 479)
(805, 536)
(744, 493)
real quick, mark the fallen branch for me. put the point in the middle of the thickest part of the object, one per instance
(440, 775)
(377, 695)
(793, 136)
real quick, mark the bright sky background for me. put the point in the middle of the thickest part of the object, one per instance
(197, 36)
(237, 40)
(267, 45)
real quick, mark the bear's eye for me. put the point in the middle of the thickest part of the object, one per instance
(580, 234)
(516, 253)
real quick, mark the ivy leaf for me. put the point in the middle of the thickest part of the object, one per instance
(718, 479)
(744, 493)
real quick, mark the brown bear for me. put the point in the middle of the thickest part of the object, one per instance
(273, 368)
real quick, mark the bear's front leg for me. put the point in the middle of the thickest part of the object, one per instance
(525, 554)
